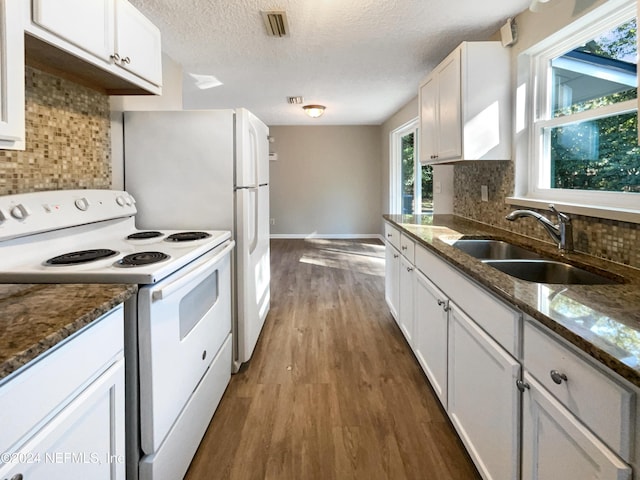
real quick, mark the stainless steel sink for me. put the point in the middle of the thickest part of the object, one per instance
(493, 249)
(549, 271)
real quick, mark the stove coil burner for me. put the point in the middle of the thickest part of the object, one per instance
(82, 256)
(144, 235)
(141, 258)
(187, 236)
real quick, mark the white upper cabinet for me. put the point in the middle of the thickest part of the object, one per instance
(138, 43)
(114, 46)
(94, 34)
(465, 106)
(12, 133)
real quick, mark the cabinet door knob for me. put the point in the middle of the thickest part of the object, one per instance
(409, 269)
(404, 247)
(389, 235)
(557, 377)
(126, 60)
(116, 57)
(444, 305)
(522, 386)
(395, 255)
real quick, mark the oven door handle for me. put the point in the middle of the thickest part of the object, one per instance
(189, 276)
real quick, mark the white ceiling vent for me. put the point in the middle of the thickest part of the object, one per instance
(276, 22)
(295, 100)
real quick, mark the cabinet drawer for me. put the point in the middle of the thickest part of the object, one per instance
(46, 385)
(600, 402)
(407, 248)
(392, 235)
(500, 321)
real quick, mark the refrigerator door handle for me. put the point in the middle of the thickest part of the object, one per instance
(253, 149)
(253, 217)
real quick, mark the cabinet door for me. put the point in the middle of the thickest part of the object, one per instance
(484, 402)
(138, 43)
(554, 440)
(428, 144)
(11, 76)
(392, 279)
(407, 279)
(449, 108)
(89, 26)
(84, 440)
(431, 333)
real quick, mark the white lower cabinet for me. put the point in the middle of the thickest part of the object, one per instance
(483, 400)
(525, 403)
(63, 416)
(431, 332)
(405, 317)
(555, 441)
(392, 279)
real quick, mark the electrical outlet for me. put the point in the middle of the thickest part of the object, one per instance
(272, 221)
(484, 193)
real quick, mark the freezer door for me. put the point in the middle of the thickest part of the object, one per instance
(253, 273)
(179, 167)
(252, 150)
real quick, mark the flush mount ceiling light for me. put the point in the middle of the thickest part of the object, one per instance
(314, 111)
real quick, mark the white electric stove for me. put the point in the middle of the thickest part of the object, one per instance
(178, 345)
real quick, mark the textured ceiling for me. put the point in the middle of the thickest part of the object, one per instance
(363, 59)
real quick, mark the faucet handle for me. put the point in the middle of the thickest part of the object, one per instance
(562, 217)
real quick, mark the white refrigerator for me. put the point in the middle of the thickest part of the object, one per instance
(208, 170)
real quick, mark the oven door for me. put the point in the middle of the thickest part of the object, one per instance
(182, 323)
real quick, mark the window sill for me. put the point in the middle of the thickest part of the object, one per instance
(609, 213)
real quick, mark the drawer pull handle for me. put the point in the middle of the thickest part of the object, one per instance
(557, 377)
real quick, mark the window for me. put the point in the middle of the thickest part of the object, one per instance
(411, 182)
(584, 140)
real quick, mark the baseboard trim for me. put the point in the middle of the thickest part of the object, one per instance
(332, 236)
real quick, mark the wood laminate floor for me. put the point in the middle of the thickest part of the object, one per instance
(332, 390)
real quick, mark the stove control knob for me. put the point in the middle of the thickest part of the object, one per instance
(120, 200)
(20, 212)
(3, 216)
(82, 204)
(128, 201)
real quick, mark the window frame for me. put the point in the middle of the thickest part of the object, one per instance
(395, 177)
(536, 114)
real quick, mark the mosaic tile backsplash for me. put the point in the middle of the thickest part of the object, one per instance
(67, 139)
(610, 239)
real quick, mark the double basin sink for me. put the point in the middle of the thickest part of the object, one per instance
(528, 265)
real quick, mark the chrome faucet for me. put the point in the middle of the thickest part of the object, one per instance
(562, 233)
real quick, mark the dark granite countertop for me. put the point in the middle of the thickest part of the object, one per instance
(34, 318)
(601, 320)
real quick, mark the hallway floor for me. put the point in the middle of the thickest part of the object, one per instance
(332, 390)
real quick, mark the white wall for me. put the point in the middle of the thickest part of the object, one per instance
(326, 181)
(171, 99)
